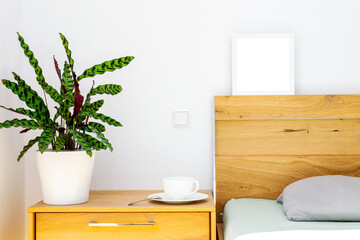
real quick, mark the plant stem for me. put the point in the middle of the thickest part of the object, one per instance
(45, 99)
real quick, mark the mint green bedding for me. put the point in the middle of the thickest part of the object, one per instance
(246, 215)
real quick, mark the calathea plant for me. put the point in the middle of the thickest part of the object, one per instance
(71, 127)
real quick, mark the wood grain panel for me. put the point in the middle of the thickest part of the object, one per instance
(287, 137)
(175, 226)
(31, 226)
(296, 106)
(117, 201)
(266, 176)
(264, 143)
(213, 225)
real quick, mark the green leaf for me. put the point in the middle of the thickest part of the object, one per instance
(30, 97)
(24, 123)
(108, 66)
(45, 139)
(53, 93)
(67, 50)
(60, 142)
(112, 89)
(63, 110)
(33, 115)
(67, 80)
(102, 117)
(80, 122)
(93, 142)
(81, 141)
(101, 137)
(98, 126)
(33, 61)
(27, 147)
(38, 71)
(20, 81)
(106, 119)
(94, 107)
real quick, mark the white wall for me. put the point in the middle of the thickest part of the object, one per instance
(12, 191)
(176, 67)
(327, 37)
(183, 59)
(183, 54)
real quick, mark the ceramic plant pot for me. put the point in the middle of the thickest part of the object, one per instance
(65, 176)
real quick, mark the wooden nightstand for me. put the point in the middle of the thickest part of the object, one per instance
(153, 220)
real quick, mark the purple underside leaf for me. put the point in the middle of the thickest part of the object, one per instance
(25, 130)
(79, 99)
(59, 75)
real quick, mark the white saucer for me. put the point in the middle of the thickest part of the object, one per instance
(192, 198)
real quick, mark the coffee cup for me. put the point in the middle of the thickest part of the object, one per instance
(179, 188)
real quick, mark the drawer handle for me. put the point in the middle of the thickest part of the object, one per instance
(95, 224)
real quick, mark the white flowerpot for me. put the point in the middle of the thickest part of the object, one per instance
(65, 176)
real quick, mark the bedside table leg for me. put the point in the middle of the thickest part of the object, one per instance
(213, 225)
(31, 226)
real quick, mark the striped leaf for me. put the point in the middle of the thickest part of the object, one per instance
(80, 123)
(48, 88)
(67, 50)
(45, 139)
(33, 115)
(63, 110)
(53, 93)
(89, 107)
(23, 84)
(81, 141)
(98, 126)
(60, 142)
(39, 75)
(106, 119)
(108, 66)
(94, 107)
(33, 61)
(67, 80)
(24, 123)
(102, 117)
(29, 96)
(94, 143)
(101, 137)
(20, 81)
(27, 147)
(111, 89)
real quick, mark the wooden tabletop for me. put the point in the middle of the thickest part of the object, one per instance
(117, 201)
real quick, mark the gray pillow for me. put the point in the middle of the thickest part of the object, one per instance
(323, 198)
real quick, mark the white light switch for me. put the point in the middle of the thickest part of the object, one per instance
(181, 119)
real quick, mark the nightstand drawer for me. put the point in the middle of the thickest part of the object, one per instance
(106, 226)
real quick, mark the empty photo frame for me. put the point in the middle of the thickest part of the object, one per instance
(263, 64)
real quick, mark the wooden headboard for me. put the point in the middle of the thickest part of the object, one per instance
(264, 143)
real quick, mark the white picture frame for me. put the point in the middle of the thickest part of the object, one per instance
(263, 64)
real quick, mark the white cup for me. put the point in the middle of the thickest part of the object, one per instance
(179, 188)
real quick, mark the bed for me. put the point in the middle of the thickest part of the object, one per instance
(265, 143)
